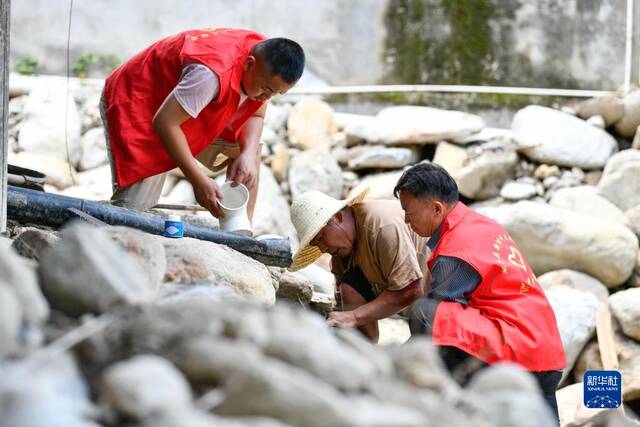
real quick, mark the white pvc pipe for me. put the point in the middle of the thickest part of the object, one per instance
(628, 47)
(447, 88)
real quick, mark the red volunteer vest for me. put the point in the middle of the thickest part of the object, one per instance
(135, 90)
(508, 317)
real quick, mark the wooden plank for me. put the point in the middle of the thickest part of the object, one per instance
(606, 341)
(5, 16)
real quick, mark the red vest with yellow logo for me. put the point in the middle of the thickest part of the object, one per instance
(135, 90)
(508, 318)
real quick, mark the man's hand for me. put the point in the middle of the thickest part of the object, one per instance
(207, 194)
(343, 319)
(243, 170)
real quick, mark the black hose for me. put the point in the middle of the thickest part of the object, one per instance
(29, 206)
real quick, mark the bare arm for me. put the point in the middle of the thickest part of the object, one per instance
(389, 303)
(243, 168)
(166, 122)
(386, 304)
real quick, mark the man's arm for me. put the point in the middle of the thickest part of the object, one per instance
(243, 169)
(166, 122)
(386, 304)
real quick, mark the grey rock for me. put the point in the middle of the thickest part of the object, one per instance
(295, 287)
(630, 120)
(311, 124)
(86, 272)
(145, 385)
(20, 276)
(576, 317)
(554, 137)
(585, 199)
(418, 363)
(378, 156)
(480, 171)
(32, 242)
(272, 215)
(49, 394)
(509, 396)
(44, 129)
(10, 320)
(380, 185)
(94, 149)
(147, 251)
(322, 280)
(315, 170)
(552, 239)
(633, 218)
(625, 306)
(609, 107)
(619, 181)
(516, 190)
(575, 280)
(192, 261)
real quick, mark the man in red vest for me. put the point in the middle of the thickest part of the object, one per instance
(197, 94)
(484, 304)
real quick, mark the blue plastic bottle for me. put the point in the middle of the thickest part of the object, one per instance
(173, 227)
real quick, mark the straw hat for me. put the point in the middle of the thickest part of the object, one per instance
(310, 212)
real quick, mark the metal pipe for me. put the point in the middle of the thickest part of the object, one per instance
(29, 206)
(331, 90)
(628, 47)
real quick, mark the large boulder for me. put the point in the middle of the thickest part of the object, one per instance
(576, 316)
(609, 107)
(59, 173)
(192, 262)
(315, 170)
(271, 215)
(145, 385)
(619, 183)
(376, 156)
(94, 149)
(52, 393)
(86, 272)
(410, 125)
(575, 280)
(630, 120)
(380, 185)
(558, 138)
(415, 124)
(585, 199)
(480, 171)
(43, 129)
(625, 306)
(311, 124)
(145, 249)
(553, 239)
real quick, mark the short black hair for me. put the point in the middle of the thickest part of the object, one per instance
(428, 180)
(284, 56)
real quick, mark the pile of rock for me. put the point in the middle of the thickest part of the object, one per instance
(564, 185)
(113, 327)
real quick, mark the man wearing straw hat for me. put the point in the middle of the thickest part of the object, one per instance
(377, 260)
(484, 304)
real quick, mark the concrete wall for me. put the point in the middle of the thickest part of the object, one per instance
(543, 43)
(343, 38)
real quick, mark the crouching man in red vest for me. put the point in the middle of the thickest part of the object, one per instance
(199, 93)
(484, 304)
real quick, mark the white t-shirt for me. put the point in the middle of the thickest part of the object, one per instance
(197, 87)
